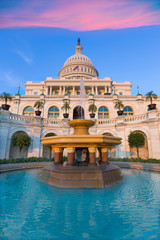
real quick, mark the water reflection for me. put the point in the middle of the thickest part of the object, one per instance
(34, 210)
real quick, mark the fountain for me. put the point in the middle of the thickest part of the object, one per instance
(81, 170)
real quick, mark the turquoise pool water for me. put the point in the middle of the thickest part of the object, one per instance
(34, 210)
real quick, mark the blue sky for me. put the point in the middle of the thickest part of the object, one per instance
(32, 54)
(120, 37)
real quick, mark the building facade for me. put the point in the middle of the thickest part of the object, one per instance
(79, 84)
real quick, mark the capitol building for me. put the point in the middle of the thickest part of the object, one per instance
(101, 91)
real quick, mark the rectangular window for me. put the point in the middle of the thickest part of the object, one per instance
(35, 93)
(56, 93)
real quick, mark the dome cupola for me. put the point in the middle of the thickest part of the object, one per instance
(78, 65)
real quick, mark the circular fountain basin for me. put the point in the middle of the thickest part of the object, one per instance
(81, 176)
(92, 175)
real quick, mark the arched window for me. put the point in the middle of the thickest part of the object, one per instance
(127, 111)
(53, 112)
(28, 111)
(103, 113)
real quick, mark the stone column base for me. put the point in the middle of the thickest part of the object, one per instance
(104, 156)
(58, 156)
(71, 156)
(92, 156)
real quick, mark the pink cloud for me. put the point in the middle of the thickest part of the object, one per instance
(81, 15)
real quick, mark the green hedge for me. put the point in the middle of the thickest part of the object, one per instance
(25, 160)
(140, 160)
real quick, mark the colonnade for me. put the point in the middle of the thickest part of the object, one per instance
(62, 89)
(103, 155)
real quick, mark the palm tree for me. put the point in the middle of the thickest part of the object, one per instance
(119, 105)
(6, 97)
(39, 105)
(65, 107)
(92, 108)
(150, 96)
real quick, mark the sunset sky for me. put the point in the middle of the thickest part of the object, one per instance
(122, 38)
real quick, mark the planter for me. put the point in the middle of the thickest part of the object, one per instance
(65, 115)
(92, 115)
(120, 113)
(152, 106)
(38, 113)
(5, 107)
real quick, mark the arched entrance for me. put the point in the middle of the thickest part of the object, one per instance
(143, 150)
(14, 150)
(47, 150)
(78, 112)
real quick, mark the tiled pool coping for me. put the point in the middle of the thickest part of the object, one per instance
(23, 166)
(141, 166)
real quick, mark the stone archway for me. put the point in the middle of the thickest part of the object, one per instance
(143, 150)
(14, 150)
(112, 150)
(47, 150)
(78, 112)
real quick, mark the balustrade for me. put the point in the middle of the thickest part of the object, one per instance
(15, 118)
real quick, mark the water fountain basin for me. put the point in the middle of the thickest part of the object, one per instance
(81, 171)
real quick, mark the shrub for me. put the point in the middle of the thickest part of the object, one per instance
(149, 160)
(136, 139)
(25, 160)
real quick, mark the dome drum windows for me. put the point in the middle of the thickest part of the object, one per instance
(103, 113)
(53, 112)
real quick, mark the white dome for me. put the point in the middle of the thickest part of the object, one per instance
(78, 58)
(78, 65)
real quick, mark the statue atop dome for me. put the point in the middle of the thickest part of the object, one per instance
(78, 48)
(79, 41)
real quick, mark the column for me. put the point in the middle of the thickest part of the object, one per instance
(47, 90)
(64, 90)
(73, 90)
(92, 90)
(96, 90)
(58, 155)
(52, 152)
(60, 90)
(61, 155)
(50, 91)
(105, 89)
(71, 156)
(104, 152)
(92, 155)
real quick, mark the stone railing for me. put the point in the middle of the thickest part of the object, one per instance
(21, 118)
(135, 118)
(6, 116)
(106, 121)
(49, 121)
(129, 119)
